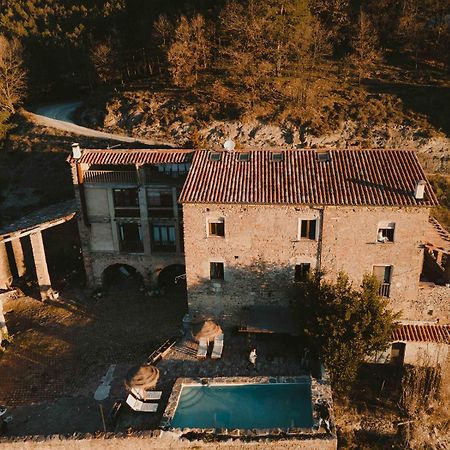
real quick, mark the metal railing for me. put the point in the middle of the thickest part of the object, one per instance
(111, 176)
(385, 289)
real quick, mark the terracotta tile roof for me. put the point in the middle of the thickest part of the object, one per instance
(422, 333)
(351, 177)
(143, 156)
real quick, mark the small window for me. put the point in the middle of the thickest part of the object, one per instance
(386, 232)
(215, 156)
(217, 228)
(308, 229)
(301, 272)
(243, 156)
(216, 271)
(323, 156)
(277, 156)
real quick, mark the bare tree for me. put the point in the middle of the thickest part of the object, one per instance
(189, 52)
(366, 52)
(13, 76)
(163, 30)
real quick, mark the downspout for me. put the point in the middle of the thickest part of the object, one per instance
(80, 184)
(319, 244)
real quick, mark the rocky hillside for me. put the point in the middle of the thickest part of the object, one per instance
(189, 121)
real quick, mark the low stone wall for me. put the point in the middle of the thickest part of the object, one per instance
(155, 440)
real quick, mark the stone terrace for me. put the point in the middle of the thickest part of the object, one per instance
(276, 355)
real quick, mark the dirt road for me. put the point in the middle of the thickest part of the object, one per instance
(61, 117)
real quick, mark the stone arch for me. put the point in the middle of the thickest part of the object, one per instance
(121, 276)
(171, 276)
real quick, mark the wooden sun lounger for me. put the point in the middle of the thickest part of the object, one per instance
(202, 348)
(137, 405)
(218, 347)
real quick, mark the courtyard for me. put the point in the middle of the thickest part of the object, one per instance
(61, 351)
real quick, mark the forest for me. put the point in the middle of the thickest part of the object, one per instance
(300, 59)
(290, 73)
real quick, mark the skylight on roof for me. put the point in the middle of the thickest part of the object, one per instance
(215, 156)
(244, 157)
(323, 156)
(277, 156)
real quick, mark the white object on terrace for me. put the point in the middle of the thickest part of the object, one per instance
(202, 348)
(137, 405)
(218, 347)
(142, 394)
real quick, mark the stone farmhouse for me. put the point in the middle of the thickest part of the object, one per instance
(244, 226)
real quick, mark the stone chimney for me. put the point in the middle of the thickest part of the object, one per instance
(76, 150)
(419, 190)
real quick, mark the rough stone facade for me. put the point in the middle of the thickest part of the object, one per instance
(262, 246)
(433, 302)
(259, 251)
(350, 245)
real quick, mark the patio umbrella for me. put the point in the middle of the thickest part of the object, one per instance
(142, 378)
(207, 330)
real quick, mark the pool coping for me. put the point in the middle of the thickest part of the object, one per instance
(320, 390)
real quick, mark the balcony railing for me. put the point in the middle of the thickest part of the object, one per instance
(385, 289)
(131, 247)
(110, 176)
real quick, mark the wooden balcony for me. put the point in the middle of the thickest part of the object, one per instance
(111, 177)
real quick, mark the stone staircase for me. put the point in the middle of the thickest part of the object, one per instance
(440, 230)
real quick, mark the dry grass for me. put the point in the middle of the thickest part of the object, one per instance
(425, 399)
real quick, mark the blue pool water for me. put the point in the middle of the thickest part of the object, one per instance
(245, 406)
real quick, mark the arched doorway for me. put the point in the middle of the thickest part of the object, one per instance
(172, 283)
(172, 276)
(121, 277)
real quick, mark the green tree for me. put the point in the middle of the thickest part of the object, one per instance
(343, 324)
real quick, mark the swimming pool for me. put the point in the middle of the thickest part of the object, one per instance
(244, 406)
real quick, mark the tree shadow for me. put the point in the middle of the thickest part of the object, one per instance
(426, 98)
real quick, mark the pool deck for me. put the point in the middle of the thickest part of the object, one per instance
(276, 355)
(278, 361)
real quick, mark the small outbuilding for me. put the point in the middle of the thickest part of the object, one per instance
(417, 343)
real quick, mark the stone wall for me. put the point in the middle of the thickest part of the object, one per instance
(416, 353)
(433, 302)
(149, 266)
(155, 441)
(262, 246)
(350, 245)
(260, 250)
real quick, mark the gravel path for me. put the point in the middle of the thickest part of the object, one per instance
(61, 117)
